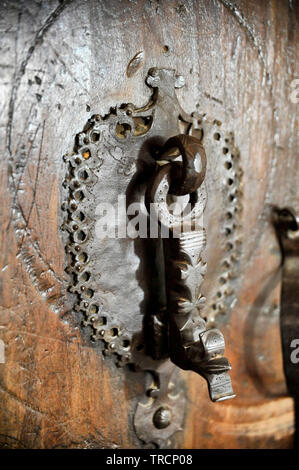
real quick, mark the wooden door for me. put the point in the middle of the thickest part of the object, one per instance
(61, 63)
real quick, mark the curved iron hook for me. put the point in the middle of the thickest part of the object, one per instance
(187, 180)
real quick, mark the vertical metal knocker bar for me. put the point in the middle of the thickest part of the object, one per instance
(191, 346)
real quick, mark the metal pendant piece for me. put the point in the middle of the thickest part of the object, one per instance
(191, 345)
(139, 296)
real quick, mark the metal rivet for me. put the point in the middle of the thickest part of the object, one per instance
(162, 418)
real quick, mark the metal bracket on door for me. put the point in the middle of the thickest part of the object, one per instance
(287, 229)
(157, 161)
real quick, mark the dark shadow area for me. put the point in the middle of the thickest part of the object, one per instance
(150, 274)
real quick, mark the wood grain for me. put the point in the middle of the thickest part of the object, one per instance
(62, 62)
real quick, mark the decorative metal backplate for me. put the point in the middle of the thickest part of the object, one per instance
(111, 281)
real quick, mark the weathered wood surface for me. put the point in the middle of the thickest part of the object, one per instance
(62, 62)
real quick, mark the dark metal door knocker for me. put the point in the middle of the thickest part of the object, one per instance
(191, 345)
(142, 297)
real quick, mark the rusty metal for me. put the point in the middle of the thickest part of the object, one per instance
(189, 180)
(160, 413)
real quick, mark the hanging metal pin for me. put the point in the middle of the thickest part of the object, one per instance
(190, 345)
